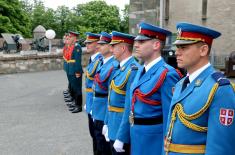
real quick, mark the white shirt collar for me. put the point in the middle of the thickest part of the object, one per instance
(151, 64)
(94, 55)
(107, 59)
(124, 61)
(195, 74)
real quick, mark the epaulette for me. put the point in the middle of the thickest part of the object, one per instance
(134, 67)
(220, 79)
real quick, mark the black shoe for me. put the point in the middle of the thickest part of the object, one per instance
(67, 94)
(77, 109)
(72, 108)
(70, 103)
(66, 91)
(68, 100)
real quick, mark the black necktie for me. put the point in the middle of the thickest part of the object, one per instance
(143, 72)
(89, 60)
(185, 83)
(101, 62)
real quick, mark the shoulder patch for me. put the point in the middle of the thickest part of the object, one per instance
(134, 67)
(219, 77)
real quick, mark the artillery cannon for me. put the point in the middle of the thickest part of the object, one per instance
(12, 42)
(39, 44)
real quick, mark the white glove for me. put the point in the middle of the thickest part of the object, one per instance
(106, 136)
(104, 129)
(118, 146)
(91, 112)
(84, 106)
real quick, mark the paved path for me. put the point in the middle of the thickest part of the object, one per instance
(34, 119)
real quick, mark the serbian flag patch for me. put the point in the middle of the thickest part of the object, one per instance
(226, 116)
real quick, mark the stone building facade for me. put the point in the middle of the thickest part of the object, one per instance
(212, 13)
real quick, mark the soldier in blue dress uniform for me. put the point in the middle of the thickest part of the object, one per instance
(74, 71)
(100, 89)
(122, 45)
(150, 94)
(202, 108)
(91, 69)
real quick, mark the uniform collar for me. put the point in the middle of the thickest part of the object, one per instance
(195, 74)
(122, 63)
(94, 56)
(107, 59)
(151, 64)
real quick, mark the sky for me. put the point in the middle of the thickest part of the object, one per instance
(71, 3)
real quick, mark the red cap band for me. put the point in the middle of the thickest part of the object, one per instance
(153, 34)
(103, 38)
(121, 39)
(195, 37)
(92, 38)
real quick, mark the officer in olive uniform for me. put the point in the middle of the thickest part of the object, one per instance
(100, 88)
(68, 92)
(202, 108)
(91, 69)
(75, 72)
(122, 50)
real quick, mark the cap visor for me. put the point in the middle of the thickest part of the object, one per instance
(141, 37)
(89, 41)
(102, 42)
(113, 43)
(184, 42)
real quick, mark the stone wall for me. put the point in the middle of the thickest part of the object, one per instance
(141, 10)
(34, 63)
(220, 16)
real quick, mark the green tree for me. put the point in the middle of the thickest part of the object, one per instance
(38, 14)
(66, 20)
(13, 18)
(21, 16)
(97, 16)
(125, 21)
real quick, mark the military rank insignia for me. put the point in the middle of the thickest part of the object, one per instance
(179, 32)
(123, 68)
(173, 90)
(226, 116)
(198, 82)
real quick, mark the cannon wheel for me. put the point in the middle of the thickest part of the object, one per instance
(19, 47)
(5, 47)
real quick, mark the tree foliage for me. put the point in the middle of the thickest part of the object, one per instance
(97, 16)
(20, 16)
(125, 21)
(13, 18)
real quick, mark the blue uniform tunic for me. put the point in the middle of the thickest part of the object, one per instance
(91, 70)
(104, 73)
(117, 98)
(213, 127)
(148, 139)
